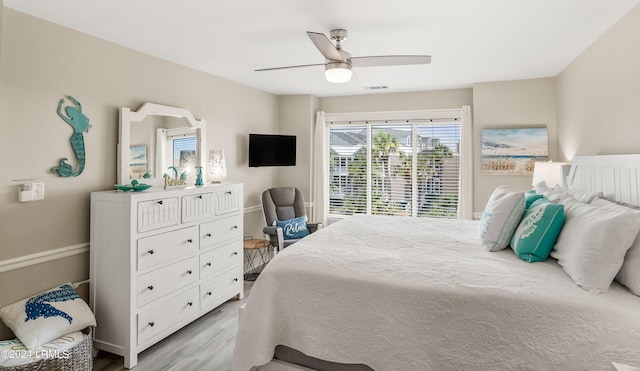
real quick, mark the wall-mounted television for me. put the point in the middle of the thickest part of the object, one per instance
(272, 150)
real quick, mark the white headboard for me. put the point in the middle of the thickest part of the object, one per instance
(617, 176)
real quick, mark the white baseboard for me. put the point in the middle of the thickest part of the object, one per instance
(42, 257)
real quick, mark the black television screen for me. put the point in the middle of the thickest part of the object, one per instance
(272, 150)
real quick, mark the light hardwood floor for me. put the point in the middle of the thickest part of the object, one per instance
(205, 344)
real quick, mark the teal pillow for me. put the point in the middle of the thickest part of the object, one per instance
(540, 201)
(530, 197)
(294, 228)
(536, 234)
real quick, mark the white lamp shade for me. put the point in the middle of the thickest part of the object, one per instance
(338, 72)
(552, 173)
(217, 166)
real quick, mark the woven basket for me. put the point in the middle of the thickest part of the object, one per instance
(81, 358)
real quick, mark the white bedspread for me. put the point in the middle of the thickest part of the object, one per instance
(422, 294)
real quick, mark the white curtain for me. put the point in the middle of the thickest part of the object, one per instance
(320, 190)
(465, 198)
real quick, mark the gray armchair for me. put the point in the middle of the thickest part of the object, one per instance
(283, 203)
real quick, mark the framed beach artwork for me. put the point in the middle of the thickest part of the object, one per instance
(137, 162)
(513, 151)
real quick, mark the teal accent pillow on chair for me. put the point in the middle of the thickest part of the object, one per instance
(294, 228)
(537, 232)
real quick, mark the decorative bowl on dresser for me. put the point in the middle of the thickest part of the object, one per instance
(160, 259)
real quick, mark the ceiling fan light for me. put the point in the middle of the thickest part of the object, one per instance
(338, 72)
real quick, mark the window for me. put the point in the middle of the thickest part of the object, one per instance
(184, 152)
(403, 167)
(181, 149)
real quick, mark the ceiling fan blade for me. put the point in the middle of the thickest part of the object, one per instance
(325, 46)
(389, 60)
(287, 67)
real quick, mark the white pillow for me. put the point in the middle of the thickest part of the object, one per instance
(500, 218)
(629, 274)
(47, 316)
(555, 194)
(593, 242)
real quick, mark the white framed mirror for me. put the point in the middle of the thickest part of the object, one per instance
(157, 137)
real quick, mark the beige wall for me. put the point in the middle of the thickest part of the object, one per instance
(41, 64)
(599, 94)
(297, 117)
(510, 104)
(422, 100)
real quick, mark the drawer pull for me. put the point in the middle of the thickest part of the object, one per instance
(235, 280)
(160, 202)
(189, 271)
(234, 227)
(228, 192)
(152, 324)
(235, 253)
(190, 240)
(150, 252)
(199, 196)
(208, 235)
(190, 303)
(208, 264)
(209, 293)
(150, 287)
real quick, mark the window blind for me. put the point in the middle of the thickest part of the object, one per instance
(409, 168)
(184, 152)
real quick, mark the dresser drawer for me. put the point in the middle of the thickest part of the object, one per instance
(161, 316)
(156, 214)
(165, 247)
(220, 231)
(158, 283)
(220, 259)
(217, 290)
(197, 207)
(228, 201)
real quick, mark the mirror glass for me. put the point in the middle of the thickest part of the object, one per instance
(160, 140)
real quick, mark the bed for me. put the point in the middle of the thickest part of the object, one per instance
(391, 293)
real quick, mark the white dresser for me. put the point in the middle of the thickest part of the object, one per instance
(159, 259)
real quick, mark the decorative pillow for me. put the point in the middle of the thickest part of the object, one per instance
(593, 242)
(629, 274)
(542, 187)
(555, 194)
(47, 316)
(530, 197)
(294, 228)
(500, 218)
(537, 233)
(540, 201)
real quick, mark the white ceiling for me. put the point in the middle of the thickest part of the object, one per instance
(469, 40)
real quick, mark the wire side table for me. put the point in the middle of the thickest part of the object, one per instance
(256, 249)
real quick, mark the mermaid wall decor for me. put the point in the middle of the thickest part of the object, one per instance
(80, 123)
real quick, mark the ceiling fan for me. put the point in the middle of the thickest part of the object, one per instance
(338, 62)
